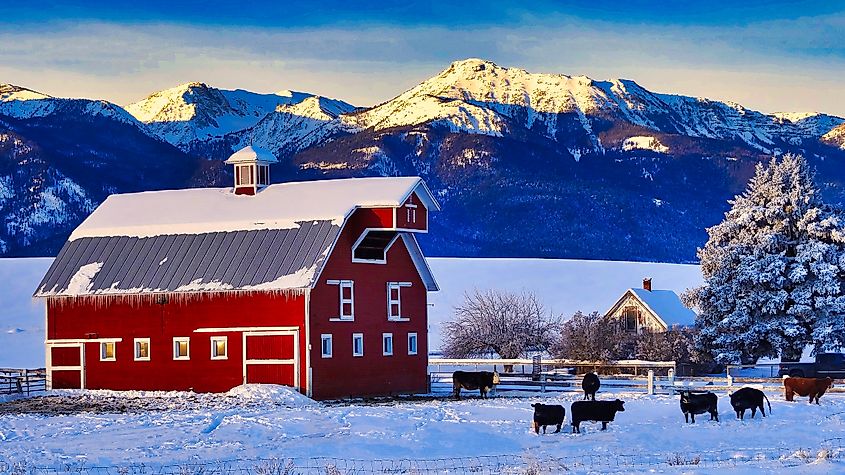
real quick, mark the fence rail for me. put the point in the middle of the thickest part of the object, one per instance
(22, 381)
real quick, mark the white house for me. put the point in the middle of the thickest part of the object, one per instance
(646, 309)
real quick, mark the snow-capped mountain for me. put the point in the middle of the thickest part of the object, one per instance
(195, 112)
(22, 103)
(293, 127)
(524, 164)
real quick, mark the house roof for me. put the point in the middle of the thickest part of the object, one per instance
(205, 240)
(665, 305)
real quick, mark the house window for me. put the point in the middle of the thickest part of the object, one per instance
(346, 303)
(387, 344)
(326, 345)
(629, 318)
(142, 349)
(412, 343)
(411, 213)
(372, 246)
(181, 348)
(219, 348)
(394, 300)
(357, 344)
(244, 173)
(107, 351)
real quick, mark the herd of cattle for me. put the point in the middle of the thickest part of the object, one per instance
(692, 403)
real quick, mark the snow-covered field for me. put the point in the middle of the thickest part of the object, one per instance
(564, 285)
(252, 423)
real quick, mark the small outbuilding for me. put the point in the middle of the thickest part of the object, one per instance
(645, 309)
(317, 285)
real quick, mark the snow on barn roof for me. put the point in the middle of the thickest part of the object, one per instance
(205, 240)
(666, 305)
(278, 206)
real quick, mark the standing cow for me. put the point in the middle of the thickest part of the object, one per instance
(590, 384)
(484, 381)
(598, 411)
(692, 404)
(547, 415)
(749, 398)
(813, 387)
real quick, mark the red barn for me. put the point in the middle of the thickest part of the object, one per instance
(317, 285)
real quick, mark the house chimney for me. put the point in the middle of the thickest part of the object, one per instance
(647, 283)
(252, 169)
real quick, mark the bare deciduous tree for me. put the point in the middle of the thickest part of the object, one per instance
(502, 323)
(590, 337)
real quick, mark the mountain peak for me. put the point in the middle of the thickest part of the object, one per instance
(11, 92)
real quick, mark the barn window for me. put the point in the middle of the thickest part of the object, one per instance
(629, 318)
(107, 351)
(412, 343)
(181, 348)
(263, 175)
(411, 213)
(372, 246)
(394, 300)
(219, 348)
(326, 345)
(357, 344)
(244, 175)
(142, 349)
(387, 344)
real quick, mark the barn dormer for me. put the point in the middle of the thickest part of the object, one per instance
(252, 169)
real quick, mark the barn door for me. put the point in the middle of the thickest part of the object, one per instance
(272, 357)
(66, 366)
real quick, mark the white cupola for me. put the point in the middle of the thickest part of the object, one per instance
(252, 169)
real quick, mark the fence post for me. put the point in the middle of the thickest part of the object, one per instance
(671, 377)
(651, 382)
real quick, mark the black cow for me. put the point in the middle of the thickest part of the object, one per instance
(548, 415)
(590, 384)
(598, 411)
(481, 380)
(749, 398)
(692, 404)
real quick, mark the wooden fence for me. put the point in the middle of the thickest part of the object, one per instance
(652, 377)
(22, 381)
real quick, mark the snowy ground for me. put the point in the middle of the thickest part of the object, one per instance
(269, 422)
(564, 285)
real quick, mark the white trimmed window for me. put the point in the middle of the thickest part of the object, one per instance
(219, 348)
(412, 343)
(326, 345)
(181, 348)
(346, 304)
(142, 349)
(394, 300)
(107, 351)
(411, 213)
(357, 344)
(263, 175)
(387, 344)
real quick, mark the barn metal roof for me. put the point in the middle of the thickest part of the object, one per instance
(267, 259)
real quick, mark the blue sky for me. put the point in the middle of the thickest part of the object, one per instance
(769, 55)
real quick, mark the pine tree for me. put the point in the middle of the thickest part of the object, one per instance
(773, 270)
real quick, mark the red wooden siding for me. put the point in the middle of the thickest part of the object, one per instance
(270, 374)
(122, 318)
(269, 347)
(66, 379)
(65, 356)
(421, 216)
(344, 375)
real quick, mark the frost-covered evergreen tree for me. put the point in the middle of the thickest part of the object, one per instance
(773, 270)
